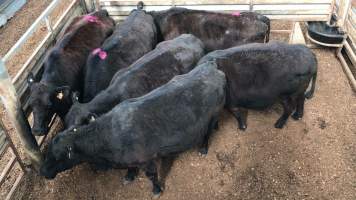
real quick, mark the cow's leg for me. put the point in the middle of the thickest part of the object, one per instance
(298, 114)
(216, 126)
(166, 166)
(151, 173)
(241, 117)
(203, 150)
(132, 172)
(287, 110)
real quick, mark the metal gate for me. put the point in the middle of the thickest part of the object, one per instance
(14, 92)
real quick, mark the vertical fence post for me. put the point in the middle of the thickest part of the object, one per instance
(251, 6)
(48, 24)
(85, 5)
(344, 7)
(17, 117)
(96, 5)
(332, 10)
(12, 146)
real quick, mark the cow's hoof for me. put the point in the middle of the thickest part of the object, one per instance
(157, 193)
(203, 152)
(128, 180)
(242, 127)
(279, 125)
(156, 196)
(296, 116)
(39, 133)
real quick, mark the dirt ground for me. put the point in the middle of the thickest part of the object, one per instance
(314, 158)
(9, 34)
(18, 25)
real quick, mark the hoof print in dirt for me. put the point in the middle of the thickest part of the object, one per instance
(322, 123)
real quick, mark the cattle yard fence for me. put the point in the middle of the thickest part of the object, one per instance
(347, 53)
(296, 11)
(14, 92)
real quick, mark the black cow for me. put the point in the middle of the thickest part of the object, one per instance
(63, 68)
(131, 39)
(168, 59)
(216, 30)
(169, 120)
(259, 75)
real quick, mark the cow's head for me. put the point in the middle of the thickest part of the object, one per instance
(78, 114)
(45, 101)
(61, 155)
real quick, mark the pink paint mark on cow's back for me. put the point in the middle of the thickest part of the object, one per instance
(90, 18)
(101, 53)
(236, 13)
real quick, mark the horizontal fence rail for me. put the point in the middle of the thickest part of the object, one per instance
(30, 31)
(347, 54)
(35, 61)
(14, 92)
(295, 10)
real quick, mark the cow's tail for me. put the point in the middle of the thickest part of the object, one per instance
(267, 21)
(140, 5)
(310, 93)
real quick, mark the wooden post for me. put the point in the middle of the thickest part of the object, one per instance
(296, 36)
(343, 10)
(17, 117)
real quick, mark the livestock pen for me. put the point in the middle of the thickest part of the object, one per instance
(309, 159)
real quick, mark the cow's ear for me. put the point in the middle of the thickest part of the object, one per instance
(62, 93)
(70, 152)
(30, 79)
(75, 97)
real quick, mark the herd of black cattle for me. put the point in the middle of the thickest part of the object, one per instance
(154, 85)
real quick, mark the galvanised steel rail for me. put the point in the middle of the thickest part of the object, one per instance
(14, 91)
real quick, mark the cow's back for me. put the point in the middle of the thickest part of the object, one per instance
(170, 119)
(264, 72)
(168, 59)
(156, 68)
(132, 39)
(66, 60)
(216, 30)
